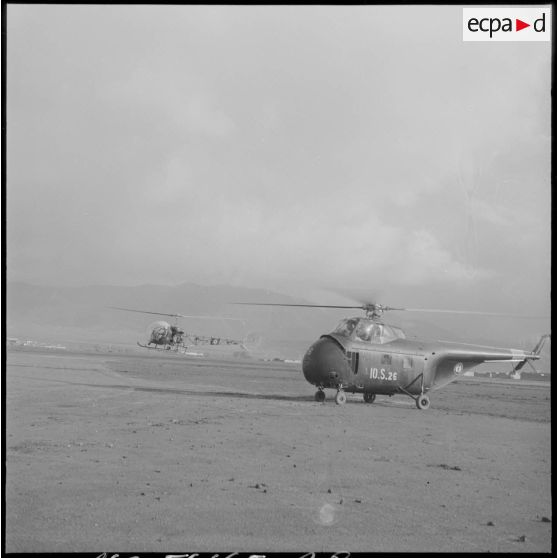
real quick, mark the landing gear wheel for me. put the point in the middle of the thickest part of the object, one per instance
(423, 402)
(369, 397)
(319, 396)
(340, 397)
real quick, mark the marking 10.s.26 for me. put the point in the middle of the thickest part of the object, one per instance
(383, 374)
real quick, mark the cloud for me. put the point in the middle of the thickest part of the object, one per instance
(274, 145)
(184, 101)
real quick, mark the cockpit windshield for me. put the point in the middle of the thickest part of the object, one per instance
(368, 331)
(346, 327)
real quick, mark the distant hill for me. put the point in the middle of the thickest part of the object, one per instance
(81, 314)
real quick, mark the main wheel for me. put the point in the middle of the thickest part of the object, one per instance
(340, 398)
(319, 396)
(423, 402)
(369, 397)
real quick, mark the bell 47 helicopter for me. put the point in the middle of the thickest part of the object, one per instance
(365, 355)
(164, 336)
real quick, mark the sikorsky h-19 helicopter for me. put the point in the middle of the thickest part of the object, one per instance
(368, 356)
(164, 336)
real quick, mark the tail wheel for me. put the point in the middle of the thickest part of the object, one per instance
(369, 397)
(340, 398)
(423, 402)
(319, 396)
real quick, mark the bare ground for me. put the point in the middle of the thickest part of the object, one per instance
(130, 453)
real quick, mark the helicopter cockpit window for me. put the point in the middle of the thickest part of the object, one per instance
(390, 333)
(399, 333)
(378, 334)
(366, 331)
(346, 327)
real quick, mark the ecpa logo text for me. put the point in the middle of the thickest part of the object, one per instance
(494, 25)
(507, 24)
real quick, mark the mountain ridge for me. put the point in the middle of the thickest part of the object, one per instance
(65, 313)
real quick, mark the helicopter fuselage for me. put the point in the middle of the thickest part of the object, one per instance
(333, 361)
(162, 333)
(363, 355)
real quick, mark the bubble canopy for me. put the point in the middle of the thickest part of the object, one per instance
(368, 331)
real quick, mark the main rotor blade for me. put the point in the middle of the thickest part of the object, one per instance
(299, 305)
(365, 306)
(471, 312)
(145, 312)
(211, 317)
(364, 296)
(175, 315)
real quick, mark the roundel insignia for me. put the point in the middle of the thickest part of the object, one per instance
(458, 368)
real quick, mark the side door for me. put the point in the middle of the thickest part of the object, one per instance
(374, 367)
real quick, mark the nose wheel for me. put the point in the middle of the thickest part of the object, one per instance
(340, 397)
(319, 396)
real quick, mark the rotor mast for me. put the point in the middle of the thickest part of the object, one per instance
(375, 311)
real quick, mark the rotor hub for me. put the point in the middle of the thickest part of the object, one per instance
(374, 311)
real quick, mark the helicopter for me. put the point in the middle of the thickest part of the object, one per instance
(366, 355)
(164, 336)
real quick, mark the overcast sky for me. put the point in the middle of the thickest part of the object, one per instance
(289, 148)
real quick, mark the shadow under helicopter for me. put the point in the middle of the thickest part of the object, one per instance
(231, 394)
(181, 391)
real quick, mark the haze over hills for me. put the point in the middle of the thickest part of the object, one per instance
(83, 314)
(66, 314)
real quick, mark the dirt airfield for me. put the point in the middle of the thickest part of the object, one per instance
(165, 453)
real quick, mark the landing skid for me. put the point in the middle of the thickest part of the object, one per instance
(176, 349)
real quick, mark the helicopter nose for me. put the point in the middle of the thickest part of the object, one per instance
(325, 363)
